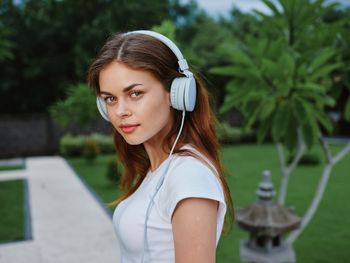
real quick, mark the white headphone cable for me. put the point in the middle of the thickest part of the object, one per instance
(159, 184)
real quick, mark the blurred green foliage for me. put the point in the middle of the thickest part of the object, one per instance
(79, 106)
(114, 170)
(234, 135)
(166, 28)
(281, 78)
(5, 44)
(90, 150)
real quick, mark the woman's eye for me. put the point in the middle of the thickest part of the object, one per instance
(136, 94)
(109, 99)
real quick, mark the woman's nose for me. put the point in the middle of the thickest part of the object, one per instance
(121, 109)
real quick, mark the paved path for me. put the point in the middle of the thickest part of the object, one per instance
(68, 224)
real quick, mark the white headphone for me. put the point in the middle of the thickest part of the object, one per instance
(183, 90)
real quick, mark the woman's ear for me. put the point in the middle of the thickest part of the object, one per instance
(168, 99)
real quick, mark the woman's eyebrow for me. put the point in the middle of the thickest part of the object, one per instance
(131, 86)
(125, 90)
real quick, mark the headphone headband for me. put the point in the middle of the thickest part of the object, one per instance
(183, 90)
(181, 60)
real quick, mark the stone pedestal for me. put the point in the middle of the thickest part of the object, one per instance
(282, 254)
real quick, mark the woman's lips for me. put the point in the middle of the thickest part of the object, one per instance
(129, 128)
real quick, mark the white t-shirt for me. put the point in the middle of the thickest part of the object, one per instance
(186, 177)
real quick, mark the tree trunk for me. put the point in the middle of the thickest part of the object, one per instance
(331, 161)
(287, 170)
(314, 204)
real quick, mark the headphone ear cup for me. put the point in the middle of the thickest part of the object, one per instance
(102, 108)
(174, 91)
(183, 93)
(190, 94)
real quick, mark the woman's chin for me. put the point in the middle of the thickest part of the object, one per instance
(132, 142)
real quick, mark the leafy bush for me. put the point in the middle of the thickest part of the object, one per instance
(105, 143)
(113, 170)
(79, 105)
(87, 146)
(308, 159)
(91, 150)
(72, 145)
(232, 135)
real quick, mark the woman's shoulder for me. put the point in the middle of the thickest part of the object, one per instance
(191, 168)
(194, 159)
(189, 163)
(188, 177)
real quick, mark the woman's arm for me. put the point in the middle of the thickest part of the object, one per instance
(194, 230)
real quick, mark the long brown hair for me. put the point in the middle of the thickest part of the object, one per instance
(143, 52)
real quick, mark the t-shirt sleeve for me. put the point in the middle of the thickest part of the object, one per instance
(191, 178)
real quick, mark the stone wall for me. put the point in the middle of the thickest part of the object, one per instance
(38, 134)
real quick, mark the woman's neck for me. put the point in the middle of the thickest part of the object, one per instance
(156, 156)
(154, 147)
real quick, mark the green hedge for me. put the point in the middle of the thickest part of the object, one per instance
(309, 158)
(86, 145)
(114, 170)
(233, 135)
(91, 145)
(72, 145)
(104, 142)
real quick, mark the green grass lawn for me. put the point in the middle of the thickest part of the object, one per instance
(12, 211)
(11, 167)
(326, 238)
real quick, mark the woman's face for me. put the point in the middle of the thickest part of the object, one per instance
(138, 106)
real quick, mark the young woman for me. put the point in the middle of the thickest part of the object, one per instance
(174, 192)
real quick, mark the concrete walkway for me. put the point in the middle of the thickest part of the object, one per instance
(68, 224)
